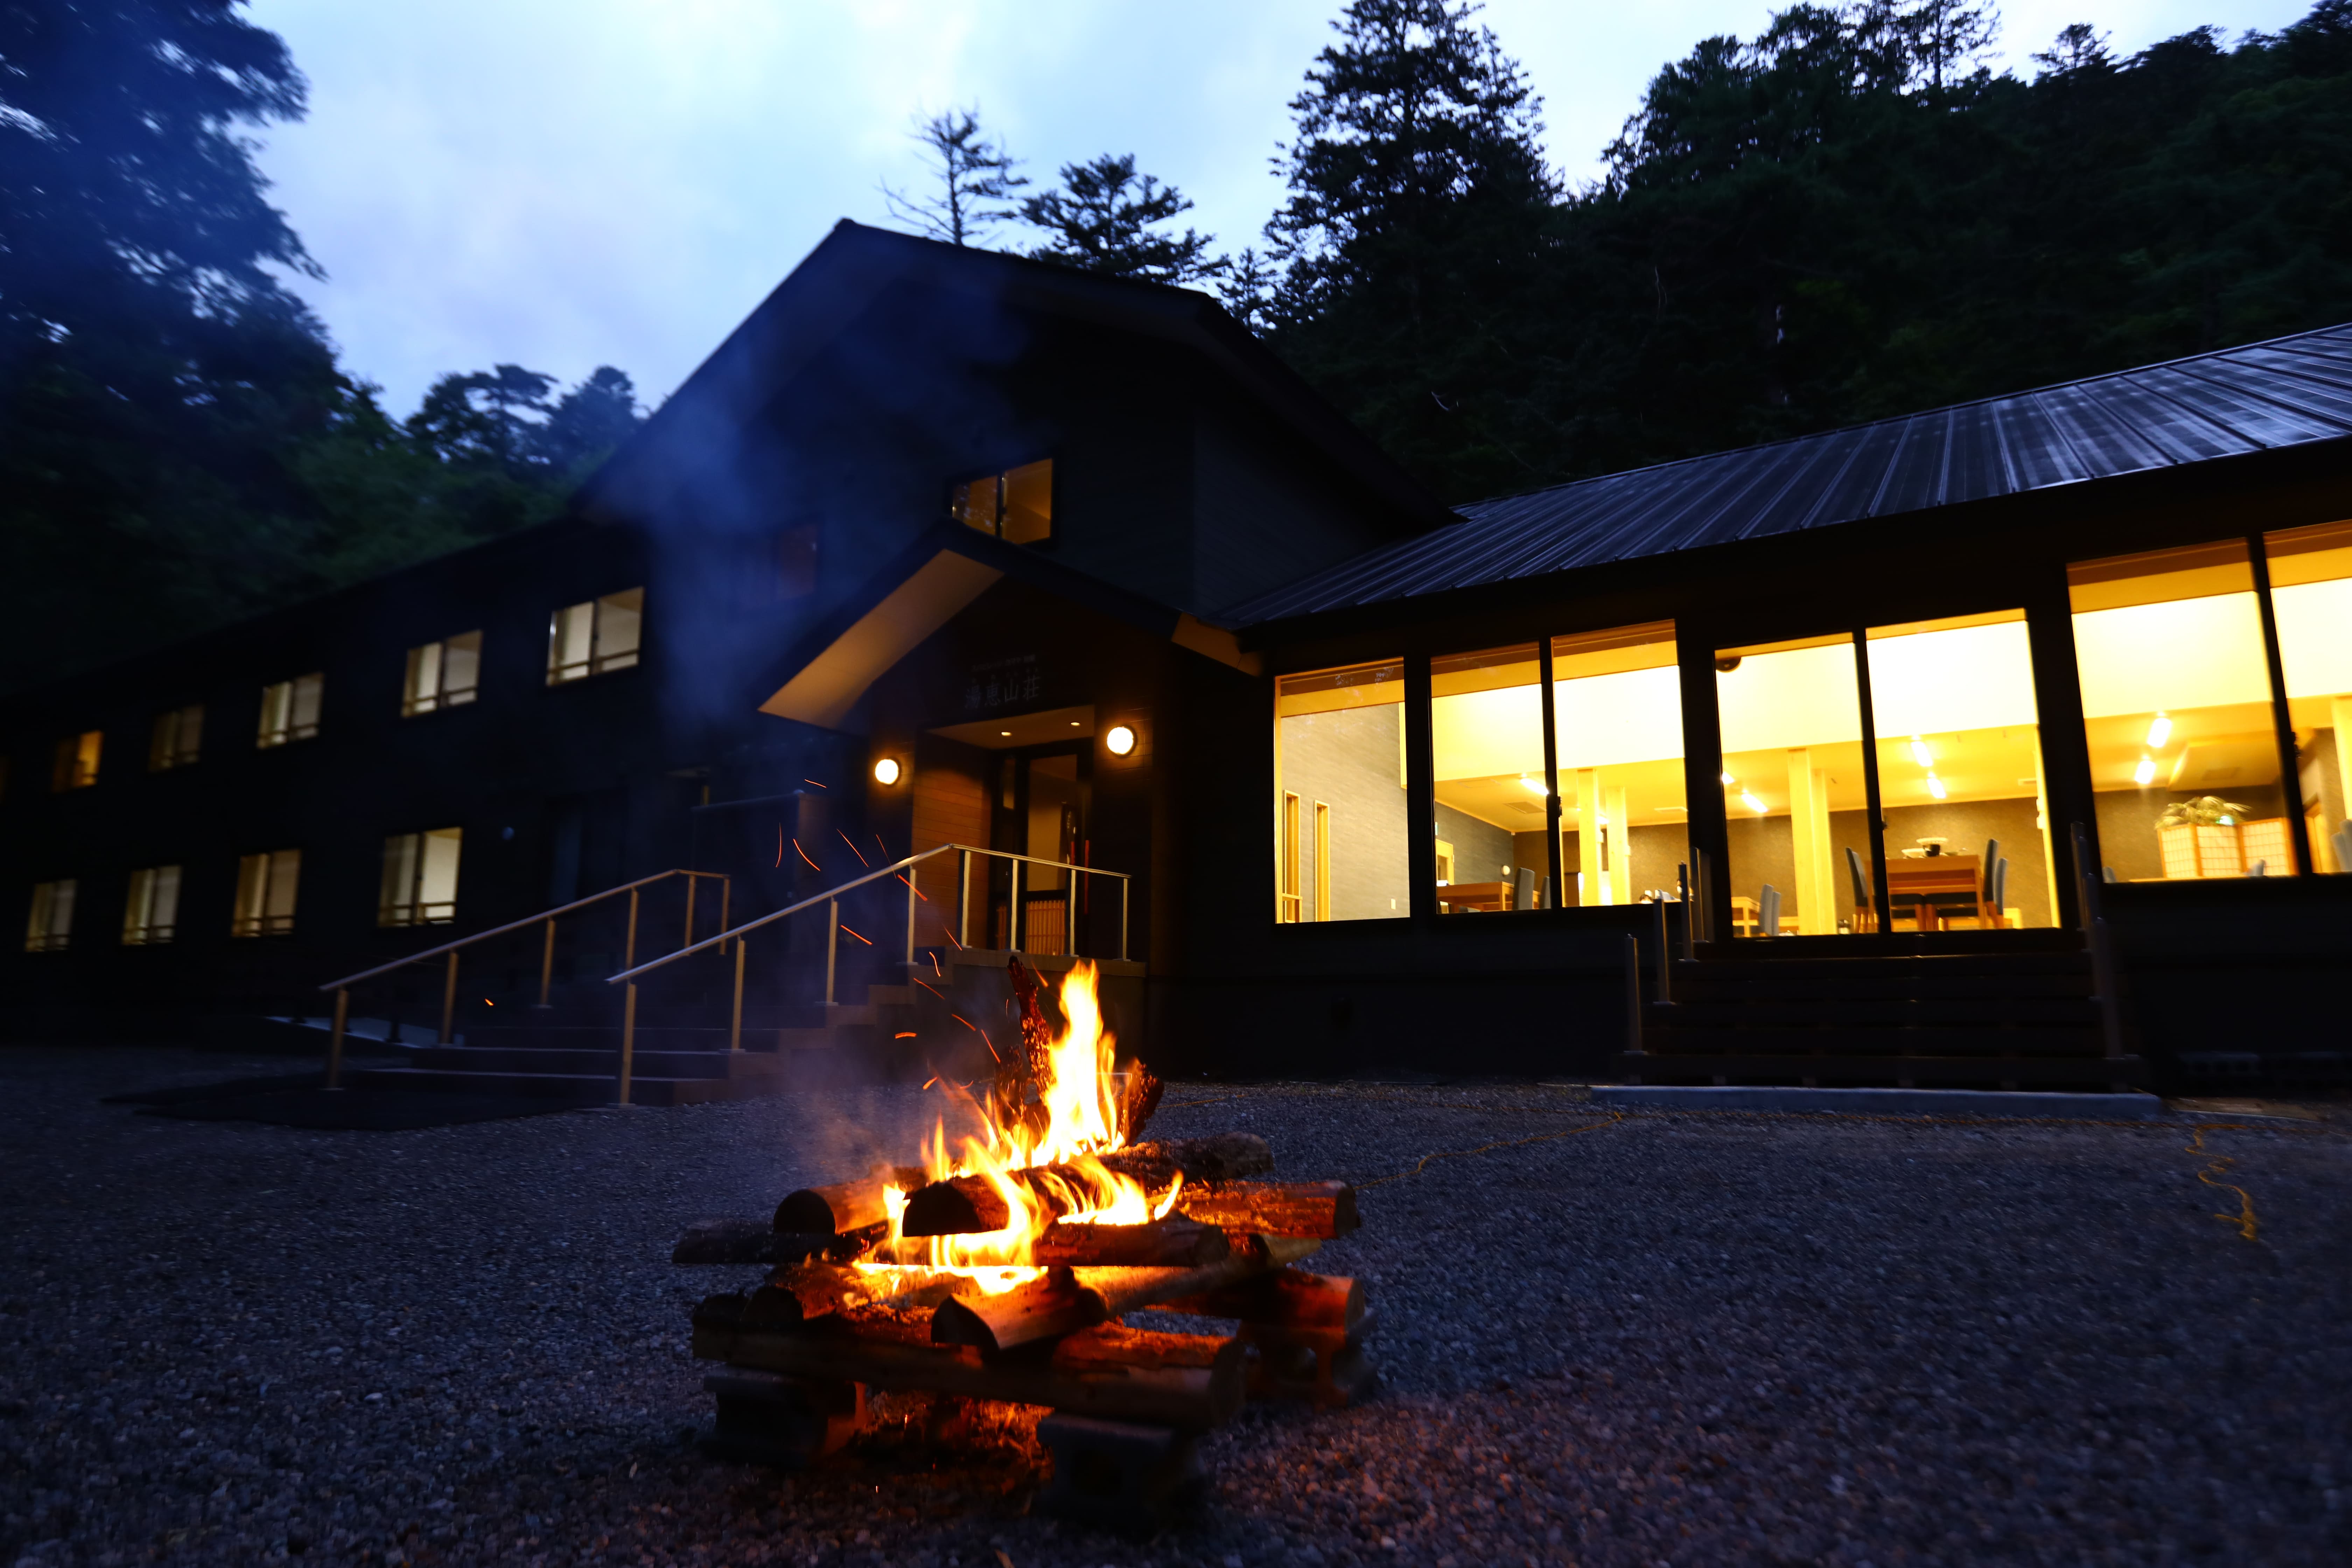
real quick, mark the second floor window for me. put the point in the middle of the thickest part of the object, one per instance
(290, 710)
(151, 913)
(179, 733)
(50, 925)
(76, 765)
(594, 638)
(420, 879)
(1016, 506)
(442, 674)
(266, 885)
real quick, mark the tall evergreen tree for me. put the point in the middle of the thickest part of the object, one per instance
(1105, 217)
(1412, 246)
(975, 181)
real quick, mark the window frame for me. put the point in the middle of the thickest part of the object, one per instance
(175, 739)
(281, 724)
(598, 662)
(415, 703)
(1000, 482)
(140, 899)
(258, 891)
(404, 913)
(44, 931)
(76, 761)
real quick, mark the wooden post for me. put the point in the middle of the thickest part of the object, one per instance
(547, 964)
(735, 1024)
(2095, 937)
(832, 944)
(449, 1001)
(726, 892)
(629, 947)
(335, 1038)
(1665, 958)
(628, 1038)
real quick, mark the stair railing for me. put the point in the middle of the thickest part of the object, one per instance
(342, 988)
(831, 898)
(2104, 977)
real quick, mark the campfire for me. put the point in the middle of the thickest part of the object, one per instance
(1000, 1267)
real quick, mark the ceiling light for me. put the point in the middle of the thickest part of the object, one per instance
(1936, 787)
(1119, 741)
(885, 770)
(1747, 799)
(1533, 786)
(1076, 724)
(1006, 732)
(1921, 755)
(1728, 780)
(2159, 731)
(2145, 774)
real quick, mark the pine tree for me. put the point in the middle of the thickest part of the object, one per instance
(975, 178)
(1413, 245)
(1105, 217)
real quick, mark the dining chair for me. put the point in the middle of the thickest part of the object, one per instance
(2342, 840)
(1769, 910)
(1865, 906)
(1523, 888)
(1996, 893)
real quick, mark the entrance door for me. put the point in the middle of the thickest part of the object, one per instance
(1042, 810)
(1927, 730)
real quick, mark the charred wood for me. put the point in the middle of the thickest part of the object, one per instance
(1290, 1297)
(1166, 1243)
(965, 1205)
(844, 1206)
(1067, 1300)
(1323, 1209)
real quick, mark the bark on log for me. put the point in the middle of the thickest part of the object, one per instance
(1167, 1243)
(844, 1206)
(1290, 1297)
(1323, 1209)
(1190, 1381)
(962, 1206)
(739, 1241)
(1069, 1300)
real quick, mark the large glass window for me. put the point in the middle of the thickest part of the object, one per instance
(150, 914)
(2177, 716)
(595, 637)
(445, 674)
(420, 879)
(1487, 729)
(1017, 506)
(74, 764)
(1617, 724)
(1959, 777)
(1339, 794)
(265, 886)
(177, 739)
(1795, 798)
(49, 928)
(290, 710)
(2311, 597)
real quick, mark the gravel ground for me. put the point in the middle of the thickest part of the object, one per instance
(1668, 1338)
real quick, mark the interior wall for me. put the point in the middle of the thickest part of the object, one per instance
(1348, 759)
(1482, 852)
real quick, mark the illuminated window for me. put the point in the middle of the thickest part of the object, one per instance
(75, 762)
(266, 885)
(1487, 718)
(1959, 773)
(290, 710)
(1794, 794)
(1617, 702)
(420, 879)
(178, 735)
(2311, 598)
(2177, 712)
(444, 674)
(50, 926)
(595, 637)
(1339, 743)
(152, 914)
(1016, 506)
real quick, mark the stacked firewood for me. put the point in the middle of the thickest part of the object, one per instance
(801, 1349)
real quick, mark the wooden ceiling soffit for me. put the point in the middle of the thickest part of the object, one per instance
(1215, 642)
(829, 685)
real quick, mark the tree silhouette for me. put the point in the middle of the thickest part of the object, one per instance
(974, 175)
(1103, 219)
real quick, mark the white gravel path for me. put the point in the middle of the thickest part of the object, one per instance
(1671, 1338)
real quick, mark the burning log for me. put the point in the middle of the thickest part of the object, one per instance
(1290, 1297)
(1188, 1381)
(844, 1206)
(741, 1241)
(1067, 1300)
(966, 1205)
(1324, 1209)
(1167, 1243)
(1305, 1332)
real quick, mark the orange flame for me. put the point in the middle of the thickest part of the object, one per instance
(1081, 1118)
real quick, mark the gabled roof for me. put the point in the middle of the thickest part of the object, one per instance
(2284, 393)
(854, 265)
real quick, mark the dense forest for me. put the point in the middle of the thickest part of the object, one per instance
(1844, 218)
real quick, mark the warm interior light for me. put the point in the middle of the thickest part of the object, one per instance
(1936, 787)
(1747, 799)
(2159, 733)
(1077, 724)
(1921, 755)
(1004, 732)
(1119, 741)
(1728, 780)
(885, 770)
(1533, 786)
(2145, 774)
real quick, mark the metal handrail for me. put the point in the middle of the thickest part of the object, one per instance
(831, 898)
(342, 988)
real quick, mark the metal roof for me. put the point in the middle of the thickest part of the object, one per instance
(2278, 393)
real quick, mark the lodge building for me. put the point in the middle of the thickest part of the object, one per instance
(1761, 766)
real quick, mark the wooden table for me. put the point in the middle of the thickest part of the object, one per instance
(1933, 881)
(1490, 896)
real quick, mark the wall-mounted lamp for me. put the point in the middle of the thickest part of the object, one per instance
(1118, 740)
(885, 770)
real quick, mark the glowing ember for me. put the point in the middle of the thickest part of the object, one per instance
(1058, 1101)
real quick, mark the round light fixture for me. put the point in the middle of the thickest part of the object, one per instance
(885, 770)
(1120, 741)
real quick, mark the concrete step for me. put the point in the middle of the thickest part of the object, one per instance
(1726, 982)
(579, 1089)
(1829, 1068)
(605, 1059)
(1830, 1012)
(1881, 1040)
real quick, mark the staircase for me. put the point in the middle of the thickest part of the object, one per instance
(1765, 1015)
